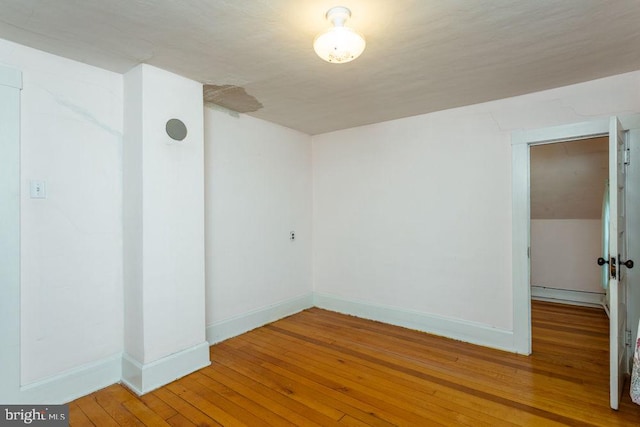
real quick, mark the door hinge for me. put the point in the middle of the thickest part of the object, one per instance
(529, 252)
(627, 150)
(627, 337)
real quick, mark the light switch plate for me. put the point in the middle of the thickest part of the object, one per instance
(38, 189)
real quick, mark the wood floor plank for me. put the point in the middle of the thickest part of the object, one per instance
(323, 368)
(285, 407)
(158, 406)
(232, 402)
(417, 392)
(114, 406)
(251, 368)
(351, 422)
(206, 403)
(357, 395)
(436, 373)
(132, 407)
(184, 407)
(145, 414)
(560, 386)
(94, 411)
(318, 396)
(178, 420)
(492, 371)
(352, 372)
(79, 418)
(454, 380)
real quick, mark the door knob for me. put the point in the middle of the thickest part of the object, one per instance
(602, 261)
(628, 263)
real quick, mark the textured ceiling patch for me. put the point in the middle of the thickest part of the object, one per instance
(231, 97)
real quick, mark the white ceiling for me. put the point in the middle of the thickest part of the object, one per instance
(568, 179)
(421, 56)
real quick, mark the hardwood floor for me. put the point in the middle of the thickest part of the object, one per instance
(323, 368)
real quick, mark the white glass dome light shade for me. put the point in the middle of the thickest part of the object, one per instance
(339, 44)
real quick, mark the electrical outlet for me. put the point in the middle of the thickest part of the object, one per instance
(292, 235)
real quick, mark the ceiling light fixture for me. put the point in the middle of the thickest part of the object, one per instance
(339, 44)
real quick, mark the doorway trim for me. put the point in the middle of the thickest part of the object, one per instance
(521, 216)
(10, 87)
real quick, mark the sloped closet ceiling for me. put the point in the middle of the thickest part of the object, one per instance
(568, 179)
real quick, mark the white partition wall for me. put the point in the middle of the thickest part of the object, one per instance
(163, 230)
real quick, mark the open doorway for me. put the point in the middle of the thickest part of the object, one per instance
(568, 181)
(622, 132)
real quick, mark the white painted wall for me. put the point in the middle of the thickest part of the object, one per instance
(415, 214)
(564, 253)
(164, 216)
(10, 87)
(174, 215)
(71, 242)
(164, 284)
(133, 215)
(258, 189)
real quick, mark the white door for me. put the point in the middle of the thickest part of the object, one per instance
(617, 256)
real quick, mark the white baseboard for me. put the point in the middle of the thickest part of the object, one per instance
(588, 299)
(143, 378)
(462, 330)
(72, 384)
(225, 329)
